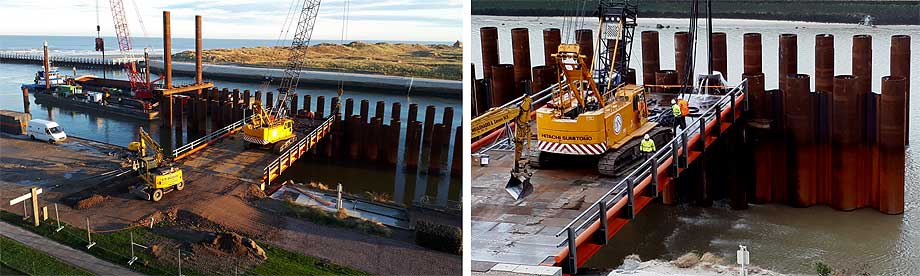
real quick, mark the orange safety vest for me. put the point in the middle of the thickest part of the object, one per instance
(684, 107)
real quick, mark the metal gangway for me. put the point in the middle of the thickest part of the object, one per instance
(591, 229)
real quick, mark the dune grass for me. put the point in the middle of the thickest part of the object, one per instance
(396, 59)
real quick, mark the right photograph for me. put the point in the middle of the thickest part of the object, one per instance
(687, 137)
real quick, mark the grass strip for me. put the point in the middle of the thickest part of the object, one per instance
(283, 262)
(114, 247)
(320, 216)
(23, 260)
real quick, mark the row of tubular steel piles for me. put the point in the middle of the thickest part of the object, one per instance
(840, 145)
(503, 82)
(354, 136)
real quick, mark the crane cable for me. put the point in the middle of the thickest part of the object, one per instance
(344, 34)
(686, 85)
(285, 27)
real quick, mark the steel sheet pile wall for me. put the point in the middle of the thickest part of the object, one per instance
(841, 145)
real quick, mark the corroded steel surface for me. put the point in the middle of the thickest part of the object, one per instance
(720, 54)
(900, 66)
(650, 56)
(824, 63)
(891, 147)
(845, 140)
(585, 40)
(681, 55)
(753, 53)
(520, 48)
(552, 37)
(489, 43)
(503, 84)
(788, 58)
(800, 132)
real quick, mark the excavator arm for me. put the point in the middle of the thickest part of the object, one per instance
(147, 141)
(519, 185)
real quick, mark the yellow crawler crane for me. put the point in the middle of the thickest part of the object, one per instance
(157, 177)
(263, 130)
(519, 185)
(581, 120)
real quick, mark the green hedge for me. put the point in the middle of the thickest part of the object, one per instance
(439, 237)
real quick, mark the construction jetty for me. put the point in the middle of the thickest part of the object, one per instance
(841, 145)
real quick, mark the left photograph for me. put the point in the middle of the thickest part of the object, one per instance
(280, 137)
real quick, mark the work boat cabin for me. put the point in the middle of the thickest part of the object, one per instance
(53, 76)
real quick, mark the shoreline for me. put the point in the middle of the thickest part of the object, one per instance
(431, 87)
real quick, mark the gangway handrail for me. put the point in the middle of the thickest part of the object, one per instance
(320, 130)
(210, 137)
(598, 210)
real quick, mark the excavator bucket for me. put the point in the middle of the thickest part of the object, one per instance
(519, 187)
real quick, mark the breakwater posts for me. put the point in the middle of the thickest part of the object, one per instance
(30, 58)
(831, 145)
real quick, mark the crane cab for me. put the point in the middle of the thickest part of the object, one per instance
(279, 134)
(594, 131)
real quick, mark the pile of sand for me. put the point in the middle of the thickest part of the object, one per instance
(236, 245)
(90, 201)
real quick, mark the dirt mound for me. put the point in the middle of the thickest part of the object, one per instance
(712, 259)
(687, 260)
(190, 220)
(236, 245)
(231, 214)
(90, 202)
(250, 192)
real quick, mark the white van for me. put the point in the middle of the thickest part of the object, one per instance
(46, 131)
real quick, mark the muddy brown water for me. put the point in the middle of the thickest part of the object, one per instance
(783, 238)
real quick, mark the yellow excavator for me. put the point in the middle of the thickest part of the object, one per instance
(157, 176)
(519, 185)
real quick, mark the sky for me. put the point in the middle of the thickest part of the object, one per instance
(405, 20)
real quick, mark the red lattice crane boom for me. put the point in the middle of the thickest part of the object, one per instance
(141, 88)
